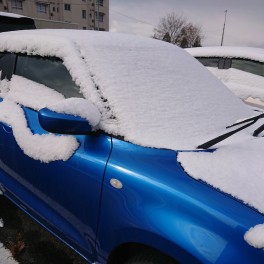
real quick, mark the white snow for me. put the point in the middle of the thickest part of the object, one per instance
(250, 53)
(242, 176)
(1, 222)
(78, 107)
(255, 236)
(5, 256)
(243, 84)
(46, 147)
(31, 94)
(156, 94)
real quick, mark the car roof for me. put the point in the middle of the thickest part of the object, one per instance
(256, 54)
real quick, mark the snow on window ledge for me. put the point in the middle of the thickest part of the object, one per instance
(255, 236)
(46, 147)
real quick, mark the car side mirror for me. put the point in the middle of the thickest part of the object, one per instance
(75, 116)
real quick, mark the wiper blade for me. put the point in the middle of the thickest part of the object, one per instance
(218, 139)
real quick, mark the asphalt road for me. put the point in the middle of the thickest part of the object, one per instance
(29, 242)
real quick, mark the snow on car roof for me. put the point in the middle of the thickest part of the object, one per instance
(11, 15)
(250, 53)
(148, 91)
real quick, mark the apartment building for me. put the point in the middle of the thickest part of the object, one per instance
(81, 14)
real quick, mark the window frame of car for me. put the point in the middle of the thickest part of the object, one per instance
(225, 63)
(245, 68)
(7, 65)
(21, 71)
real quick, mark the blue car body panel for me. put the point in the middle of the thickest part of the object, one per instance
(160, 205)
(63, 196)
(164, 208)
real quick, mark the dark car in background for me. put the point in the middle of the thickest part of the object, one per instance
(11, 22)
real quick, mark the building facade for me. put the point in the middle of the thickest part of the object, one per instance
(81, 14)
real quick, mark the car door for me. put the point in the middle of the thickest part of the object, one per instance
(64, 196)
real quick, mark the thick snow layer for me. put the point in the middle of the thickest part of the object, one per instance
(243, 84)
(236, 167)
(152, 93)
(256, 54)
(46, 147)
(31, 94)
(255, 236)
(78, 107)
(6, 256)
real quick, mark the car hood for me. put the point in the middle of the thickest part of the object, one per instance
(236, 167)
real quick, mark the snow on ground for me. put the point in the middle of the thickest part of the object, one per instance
(5, 256)
(255, 236)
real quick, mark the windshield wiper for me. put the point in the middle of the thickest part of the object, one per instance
(218, 139)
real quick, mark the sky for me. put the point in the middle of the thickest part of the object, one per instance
(244, 22)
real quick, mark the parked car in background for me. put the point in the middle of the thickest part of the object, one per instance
(11, 22)
(102, 142)
(240, 68)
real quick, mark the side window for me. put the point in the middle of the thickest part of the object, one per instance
(7, 63)
(227, 64)
(209, 62)
(248, 66)
(48, 71)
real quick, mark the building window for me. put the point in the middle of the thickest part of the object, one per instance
(41, 8)
(17, 4)
(100, 2)
(99, 18)
(67, 7)
(84, 14)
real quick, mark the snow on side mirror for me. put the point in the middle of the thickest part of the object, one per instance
(70, 116)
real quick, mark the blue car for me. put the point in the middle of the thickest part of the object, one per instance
(101, 141)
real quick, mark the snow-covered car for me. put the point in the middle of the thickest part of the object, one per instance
(118, 145)
(241, 69)
(10, 22)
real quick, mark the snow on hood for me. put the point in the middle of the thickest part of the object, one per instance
(152, 93)
(256, 54)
